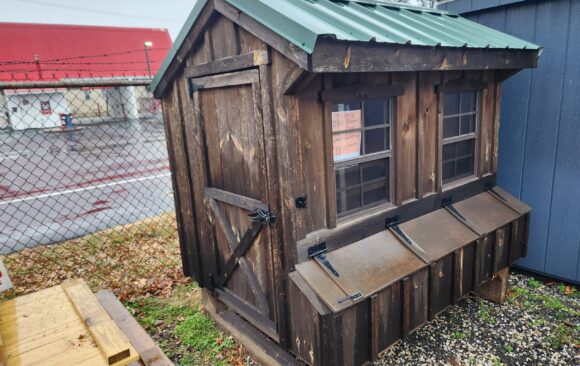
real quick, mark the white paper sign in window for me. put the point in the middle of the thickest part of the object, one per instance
(347, 145)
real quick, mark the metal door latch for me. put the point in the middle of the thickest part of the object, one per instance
(318, 253)
(354, 297)
(262, 216)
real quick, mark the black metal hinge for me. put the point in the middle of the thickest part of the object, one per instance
(448, 204)
(489, 189)
(262, 216)
(393, 224)
(318, 253)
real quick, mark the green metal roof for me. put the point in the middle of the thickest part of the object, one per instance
(301, 22)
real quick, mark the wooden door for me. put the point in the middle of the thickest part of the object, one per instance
(237, 195)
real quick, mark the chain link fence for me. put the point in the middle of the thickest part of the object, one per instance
(85, 186)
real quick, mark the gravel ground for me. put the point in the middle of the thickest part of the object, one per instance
(538, 325)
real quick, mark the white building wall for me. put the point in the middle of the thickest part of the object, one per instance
(123, 102)
(26, 109)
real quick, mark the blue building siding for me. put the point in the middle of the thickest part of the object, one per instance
(540, 130)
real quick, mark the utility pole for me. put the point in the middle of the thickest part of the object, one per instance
(148, 44)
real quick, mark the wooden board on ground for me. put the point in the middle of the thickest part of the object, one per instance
(63, 325)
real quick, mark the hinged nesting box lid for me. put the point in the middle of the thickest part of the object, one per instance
(490, 210)
(364, 268)
(439, 233)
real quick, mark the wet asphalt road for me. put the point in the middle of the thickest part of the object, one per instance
(56, 186)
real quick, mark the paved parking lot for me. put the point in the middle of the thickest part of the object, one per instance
(56, 185)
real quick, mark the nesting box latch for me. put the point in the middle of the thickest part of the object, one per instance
(318, 253)
(262, 216)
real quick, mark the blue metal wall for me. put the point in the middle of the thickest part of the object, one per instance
(540, 126)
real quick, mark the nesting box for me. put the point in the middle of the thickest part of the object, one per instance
(334, 166)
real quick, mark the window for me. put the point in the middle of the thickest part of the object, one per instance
(459, 135)
(361, 132)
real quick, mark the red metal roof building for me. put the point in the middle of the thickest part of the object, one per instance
(54, 52)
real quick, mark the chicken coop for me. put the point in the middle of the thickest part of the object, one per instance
(334, 166)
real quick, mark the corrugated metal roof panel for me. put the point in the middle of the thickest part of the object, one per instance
(303, 21)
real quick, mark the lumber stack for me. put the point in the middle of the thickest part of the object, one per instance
(62, 325)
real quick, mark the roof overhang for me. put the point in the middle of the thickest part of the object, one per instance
(331, 55)
(334, 54)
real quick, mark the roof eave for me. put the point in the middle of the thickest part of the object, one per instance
(331, 55)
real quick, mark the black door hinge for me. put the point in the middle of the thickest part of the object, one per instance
(318, 253)
(262, 216)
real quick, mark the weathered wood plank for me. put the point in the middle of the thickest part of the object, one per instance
(305, 310)
(239, 250)
(329, 56)
(495, 289)
(237, 200)
(427, 171)
(248, 311)
(261, 348)
(487, 126)
(231, 79)
(229, 64)
(441, 279)
(111, 341)
(415, 301)
(276, 265)
(176, 142)
(149, 353)
(405, 139)
(224, 41)
(386, 318)
(362, 91)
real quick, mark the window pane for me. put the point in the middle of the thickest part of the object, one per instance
(374, 170)
(467, 124)
(451, 127)
(347, 177)
(464, 148)
(374, 112)
(451, 104)
(448, 171)
(353, 199)
(375, 140)
(458, 160)
(464, 167)
(467, 102)
(374, 193)
(448, 152)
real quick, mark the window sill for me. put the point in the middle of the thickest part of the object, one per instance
(364, 214)
(459, 182)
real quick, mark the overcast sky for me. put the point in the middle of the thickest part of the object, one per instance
(170, 14)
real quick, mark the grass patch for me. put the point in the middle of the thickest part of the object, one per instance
(131, 260)
(183, 331)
